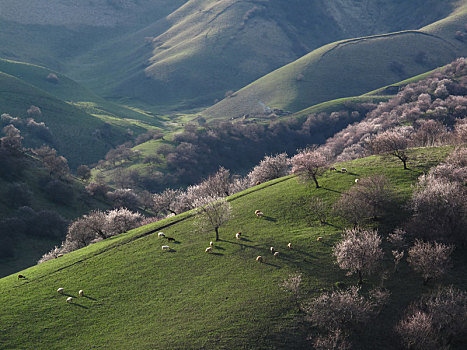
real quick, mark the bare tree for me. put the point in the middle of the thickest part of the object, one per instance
(83, 172)
(166, 201)
(359, 251)
(53, 162)
(292, 285)
(438, 321)
(369, 199)
(393, 143)
(309, 164)
(439, 209)
(318, 210)
(344, 309)
(432, 260)
(335, 340)
(212, 213)
(12, 141)
(271, 167)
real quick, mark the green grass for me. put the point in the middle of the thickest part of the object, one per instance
(140, 297)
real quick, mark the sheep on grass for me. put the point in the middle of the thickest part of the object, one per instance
(237, 235)
(161, 235)
(81, 293)
(272, 250)
(60, 290)
(276, 254)
(211, 244)
(208, 250)
(289, 245)
(165, 247)
(259, 213)
(319, 239)
(69, 299)
(344, 170)
(259, 258)
(21, 276)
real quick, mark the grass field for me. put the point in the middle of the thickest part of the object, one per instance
(138, 296)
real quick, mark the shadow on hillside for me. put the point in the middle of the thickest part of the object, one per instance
(217, 247)
(244, 239)
(69, 295)
(214, 253)
(90, 298)
(269, 218)
(171, 251)
(332, 225)
(305, 253)
(270, 264)
(79, 305)
(329, 189)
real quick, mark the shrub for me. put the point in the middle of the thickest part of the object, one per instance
(19, 194)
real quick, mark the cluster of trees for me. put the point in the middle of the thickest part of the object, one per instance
(429, 112)
(35, 132)
(94, 227)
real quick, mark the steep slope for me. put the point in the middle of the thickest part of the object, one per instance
(72, 129)
(137, 296)
(348, 68)
(213, 47)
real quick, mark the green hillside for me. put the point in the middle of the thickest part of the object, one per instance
(349, 68)
(138, 296)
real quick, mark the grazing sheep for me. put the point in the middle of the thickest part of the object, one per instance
(259, 213)
(332, 169)
(69, 299)
(208, 250)
(237, 235)
(59, 255)
(161, 235)
(344, 170)
(289, 245)
(21, 276)
(276, 254)
(356, 180)
(272, 250)
(60, 290)
(319, 239)
(259, 258)
(170, 239)
(165, 247)
(258, 183)
(211, 244)
(81, 293)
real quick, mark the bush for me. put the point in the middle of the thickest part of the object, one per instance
(19, 195)
(59, 192)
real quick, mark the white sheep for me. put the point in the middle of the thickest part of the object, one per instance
(165, 247)
(161, 235)
(319, 239)
(208, 250)
(211, 244)
(237, 235)
(272, 250)
(289, 245)
(276, 254)
(356, 180)
(69, 299)
(60, 290)
(259, 213)
(259, 258)
(59, 255)
(81, 293)
(344, 170)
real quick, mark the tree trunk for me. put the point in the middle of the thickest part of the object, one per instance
(405, 163)
(360, 278)
(217, 233)
(316, 181)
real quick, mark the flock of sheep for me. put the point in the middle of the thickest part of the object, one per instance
(70, 299)
(238, 235)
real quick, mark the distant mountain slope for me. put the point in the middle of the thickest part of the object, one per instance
(72, 129)
(211, 47)
(348, 68)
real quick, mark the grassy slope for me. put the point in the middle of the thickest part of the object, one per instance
(141, 297)
(349, 68)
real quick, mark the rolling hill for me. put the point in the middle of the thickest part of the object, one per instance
(138, 296)
(349, 68)
(179, 55)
